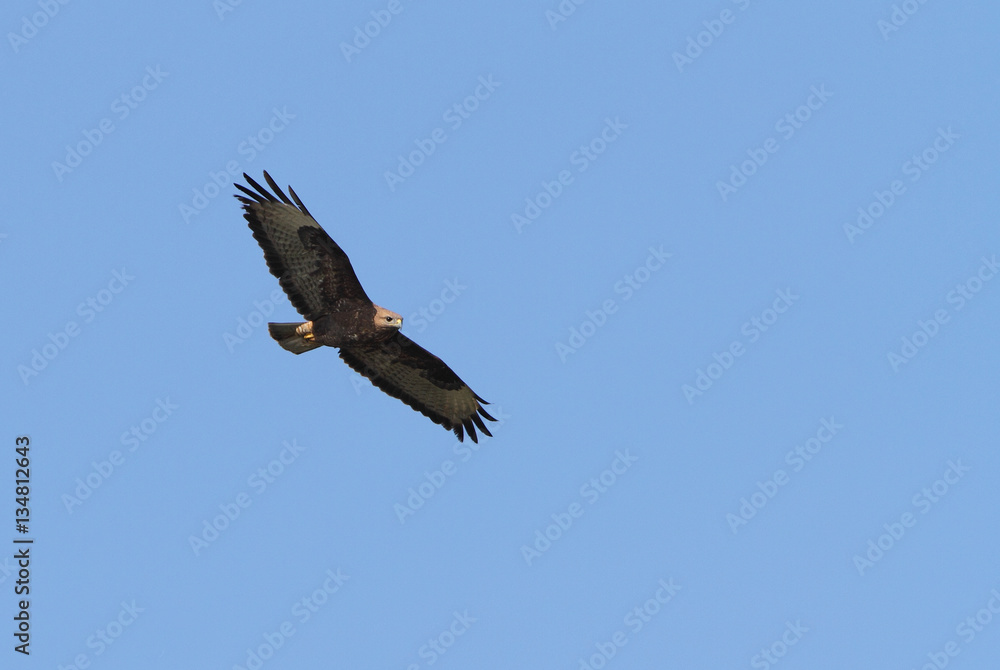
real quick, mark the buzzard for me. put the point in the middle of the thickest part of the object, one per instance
(317, 277)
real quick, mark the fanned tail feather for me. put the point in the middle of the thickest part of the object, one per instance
(288, 337)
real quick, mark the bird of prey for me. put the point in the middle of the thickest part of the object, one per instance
(317, 277)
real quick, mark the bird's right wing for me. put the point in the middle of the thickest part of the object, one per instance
(405, 370)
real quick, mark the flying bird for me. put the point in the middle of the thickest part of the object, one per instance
(317, 277)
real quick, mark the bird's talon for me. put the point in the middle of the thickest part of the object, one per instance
(306, 331)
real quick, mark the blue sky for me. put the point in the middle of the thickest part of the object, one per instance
(727, 272)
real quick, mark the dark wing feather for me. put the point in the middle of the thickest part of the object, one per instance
(312, 269)
(405, 370)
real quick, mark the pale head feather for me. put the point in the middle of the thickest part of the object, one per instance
(385, 318)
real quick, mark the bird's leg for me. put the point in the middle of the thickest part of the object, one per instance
(305, 330)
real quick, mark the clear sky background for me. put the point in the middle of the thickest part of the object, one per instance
(726, 271)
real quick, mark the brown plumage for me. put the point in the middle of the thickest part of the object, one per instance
(317, 277)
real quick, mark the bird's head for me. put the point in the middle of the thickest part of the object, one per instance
(387, 319)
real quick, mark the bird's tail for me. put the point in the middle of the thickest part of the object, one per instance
(291, 338)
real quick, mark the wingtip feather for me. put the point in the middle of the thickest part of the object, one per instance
(471, 430)
(277, 189)
(481, 425)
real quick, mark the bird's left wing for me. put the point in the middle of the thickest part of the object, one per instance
(312, 269)
(405, 370)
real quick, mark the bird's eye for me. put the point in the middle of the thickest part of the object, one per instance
(388, 319)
